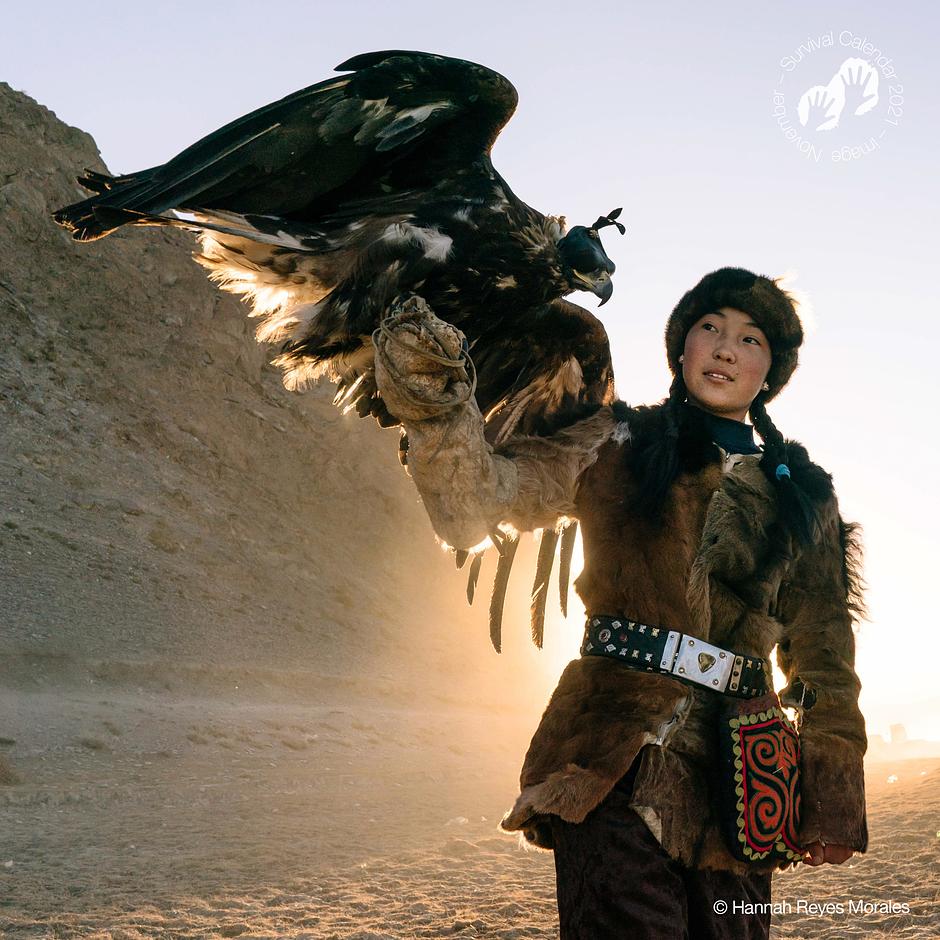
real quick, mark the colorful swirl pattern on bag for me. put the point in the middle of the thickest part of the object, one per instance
(763, 750)
(769, 754)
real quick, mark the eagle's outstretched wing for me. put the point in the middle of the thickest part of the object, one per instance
(324, 207)
(340, 146)
(328, 206)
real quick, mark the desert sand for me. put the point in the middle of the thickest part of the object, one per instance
(151, 814)
(240, 691)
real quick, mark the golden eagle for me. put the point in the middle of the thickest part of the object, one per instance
(327, 208)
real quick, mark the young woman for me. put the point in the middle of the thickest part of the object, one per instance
(702, 551)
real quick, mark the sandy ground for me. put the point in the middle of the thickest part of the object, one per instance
(149, 815)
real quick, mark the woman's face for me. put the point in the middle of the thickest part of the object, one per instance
(725, 361)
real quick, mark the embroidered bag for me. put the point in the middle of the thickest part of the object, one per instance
(760, 799)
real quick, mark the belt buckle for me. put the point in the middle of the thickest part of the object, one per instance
(703, 663)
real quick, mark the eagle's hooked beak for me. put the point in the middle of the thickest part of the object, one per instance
(598, 283)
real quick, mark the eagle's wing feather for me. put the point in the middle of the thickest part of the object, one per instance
(560, 365)
(306, 154)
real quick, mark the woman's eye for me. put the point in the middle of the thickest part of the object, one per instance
(753, 339)
(709, 326)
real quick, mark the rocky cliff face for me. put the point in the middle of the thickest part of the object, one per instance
(170, 514)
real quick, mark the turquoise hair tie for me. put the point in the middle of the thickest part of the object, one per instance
(783, 471)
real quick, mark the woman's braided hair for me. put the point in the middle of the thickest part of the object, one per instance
(656, 456)
(796, 509)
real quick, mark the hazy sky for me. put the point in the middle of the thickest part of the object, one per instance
(677, 112)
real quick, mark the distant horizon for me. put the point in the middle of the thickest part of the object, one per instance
(905, 740)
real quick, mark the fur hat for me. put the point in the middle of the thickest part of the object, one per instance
(772, 309)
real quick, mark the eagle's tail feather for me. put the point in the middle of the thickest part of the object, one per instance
(568, 537)
(543, 572)
(501, 582)
(474, 576)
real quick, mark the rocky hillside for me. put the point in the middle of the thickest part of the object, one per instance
(171, 516)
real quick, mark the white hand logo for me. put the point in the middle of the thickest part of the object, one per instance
(853, 90)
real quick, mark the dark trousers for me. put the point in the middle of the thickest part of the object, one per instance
(614, 880)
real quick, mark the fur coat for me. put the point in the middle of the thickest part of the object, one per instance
(720, 567)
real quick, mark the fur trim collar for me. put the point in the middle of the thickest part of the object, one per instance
(697, 450)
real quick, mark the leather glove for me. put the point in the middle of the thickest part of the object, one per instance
(421, 363)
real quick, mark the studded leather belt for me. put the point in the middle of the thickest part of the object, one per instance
(680, 655)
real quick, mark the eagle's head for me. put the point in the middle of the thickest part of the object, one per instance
(586, 264)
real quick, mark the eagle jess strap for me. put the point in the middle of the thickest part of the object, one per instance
(681, 655)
